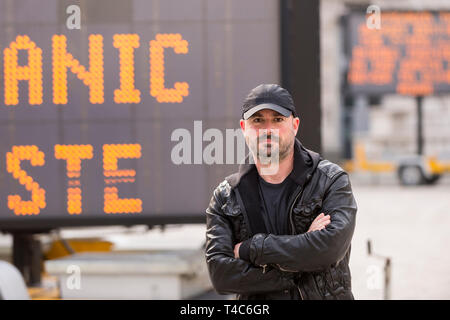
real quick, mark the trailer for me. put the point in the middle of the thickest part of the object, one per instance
(410, 170)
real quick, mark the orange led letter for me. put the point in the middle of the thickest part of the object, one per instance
(417, 62)
(92, 78)
(73, 155)
(126, 43)
(32, 72)
(157, 88)
(13, 160)
(112, 202)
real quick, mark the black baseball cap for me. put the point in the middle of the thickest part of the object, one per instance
(268, 96)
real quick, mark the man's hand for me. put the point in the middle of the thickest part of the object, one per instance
(320, 222)
(236, 250)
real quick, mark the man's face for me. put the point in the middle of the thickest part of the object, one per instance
(270, 134)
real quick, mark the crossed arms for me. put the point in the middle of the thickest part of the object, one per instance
(325, 244)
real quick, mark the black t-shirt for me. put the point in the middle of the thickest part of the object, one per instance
(274, 202)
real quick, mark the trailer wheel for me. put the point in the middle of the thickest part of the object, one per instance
(433, 179)
(411, 175)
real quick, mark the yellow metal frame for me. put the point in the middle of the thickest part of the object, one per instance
(438, 167)
(360, 162)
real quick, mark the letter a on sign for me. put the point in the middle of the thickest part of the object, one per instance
(374, 19)
(73, 281)
(73, 21)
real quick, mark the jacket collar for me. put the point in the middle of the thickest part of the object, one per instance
(305, 162)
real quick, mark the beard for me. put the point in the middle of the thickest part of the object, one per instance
(270, 148)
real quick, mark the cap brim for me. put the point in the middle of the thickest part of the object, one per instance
(283, 111)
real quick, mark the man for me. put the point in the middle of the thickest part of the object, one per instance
(283, 233)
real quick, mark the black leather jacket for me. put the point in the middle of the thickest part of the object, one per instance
(302, 265)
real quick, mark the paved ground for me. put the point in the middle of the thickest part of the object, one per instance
(410, 225)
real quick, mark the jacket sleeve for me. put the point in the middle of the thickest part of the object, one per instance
(316, 250)
(231, 275)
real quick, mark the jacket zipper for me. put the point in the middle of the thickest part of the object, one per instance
(300, 191)
(283, 269)
(300, 290)
(287, 270)
(247, 222)
(244, 212)
(297, 286)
